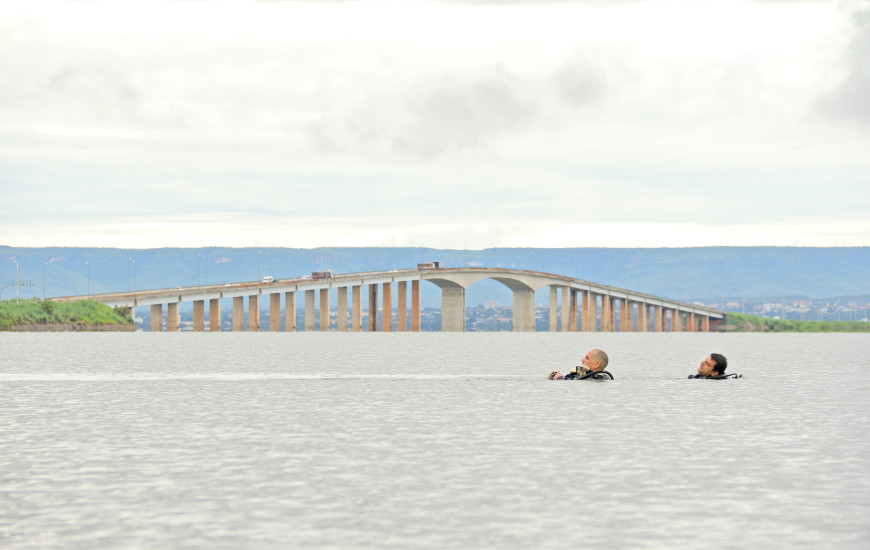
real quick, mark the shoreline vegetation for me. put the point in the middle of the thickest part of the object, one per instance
(35, 315)
(742, 322)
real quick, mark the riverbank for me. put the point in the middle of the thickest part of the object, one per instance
(35, 315)
(67, 327)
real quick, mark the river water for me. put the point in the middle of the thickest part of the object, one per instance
(431, 440)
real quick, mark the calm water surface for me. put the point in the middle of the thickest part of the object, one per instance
(311, 440)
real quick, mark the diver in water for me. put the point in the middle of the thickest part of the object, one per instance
(713, 367)
(594, 362)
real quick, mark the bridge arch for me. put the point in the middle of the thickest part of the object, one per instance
(521, 285)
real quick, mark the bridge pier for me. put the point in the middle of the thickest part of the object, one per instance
(590, 311)
(606, 313)
(623, 308)
(356, 308)
(324, 310)
(566, 308)
(341, 313)
(402, 306)
(172, 317)
(639, 317)
(373, 308)
(156, 317)
(416, 312)
(676, 321)
(214, 315)
(254, 313)
(238, 313)
(309, 310)
(275, 312)
(453, 309)
(554, 309)
(523, 310)
(290, 311)
(198, 315)
(388, 308)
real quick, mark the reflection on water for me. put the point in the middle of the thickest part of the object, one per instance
(431, 441)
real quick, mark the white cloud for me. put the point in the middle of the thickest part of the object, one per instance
(159, 123)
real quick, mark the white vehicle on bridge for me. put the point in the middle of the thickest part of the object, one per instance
(268, 279)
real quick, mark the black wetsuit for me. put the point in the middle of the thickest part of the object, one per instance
(580, 372)
(719, 377)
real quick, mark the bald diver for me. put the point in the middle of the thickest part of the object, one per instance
(593, 368)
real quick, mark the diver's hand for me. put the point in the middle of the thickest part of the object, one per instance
(556, 375)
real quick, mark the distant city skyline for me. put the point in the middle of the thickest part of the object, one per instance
(446, 124)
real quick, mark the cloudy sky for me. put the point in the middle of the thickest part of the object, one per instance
(457, 124)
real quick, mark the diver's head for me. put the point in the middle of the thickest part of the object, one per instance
(714, 365)
(595, 360)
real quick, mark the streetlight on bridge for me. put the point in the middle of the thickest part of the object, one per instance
(134, 272)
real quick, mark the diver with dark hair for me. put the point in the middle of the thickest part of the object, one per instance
(593, 368)
(713, 368)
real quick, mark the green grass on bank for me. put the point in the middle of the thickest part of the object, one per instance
(38, 312)
(741, 322)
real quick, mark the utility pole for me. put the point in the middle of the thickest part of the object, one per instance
(16, 279)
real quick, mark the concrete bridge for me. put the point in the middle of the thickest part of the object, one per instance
(582, 302)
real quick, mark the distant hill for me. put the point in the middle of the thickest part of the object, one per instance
(702, 273)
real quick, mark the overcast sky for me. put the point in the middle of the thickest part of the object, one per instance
(452, 124)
